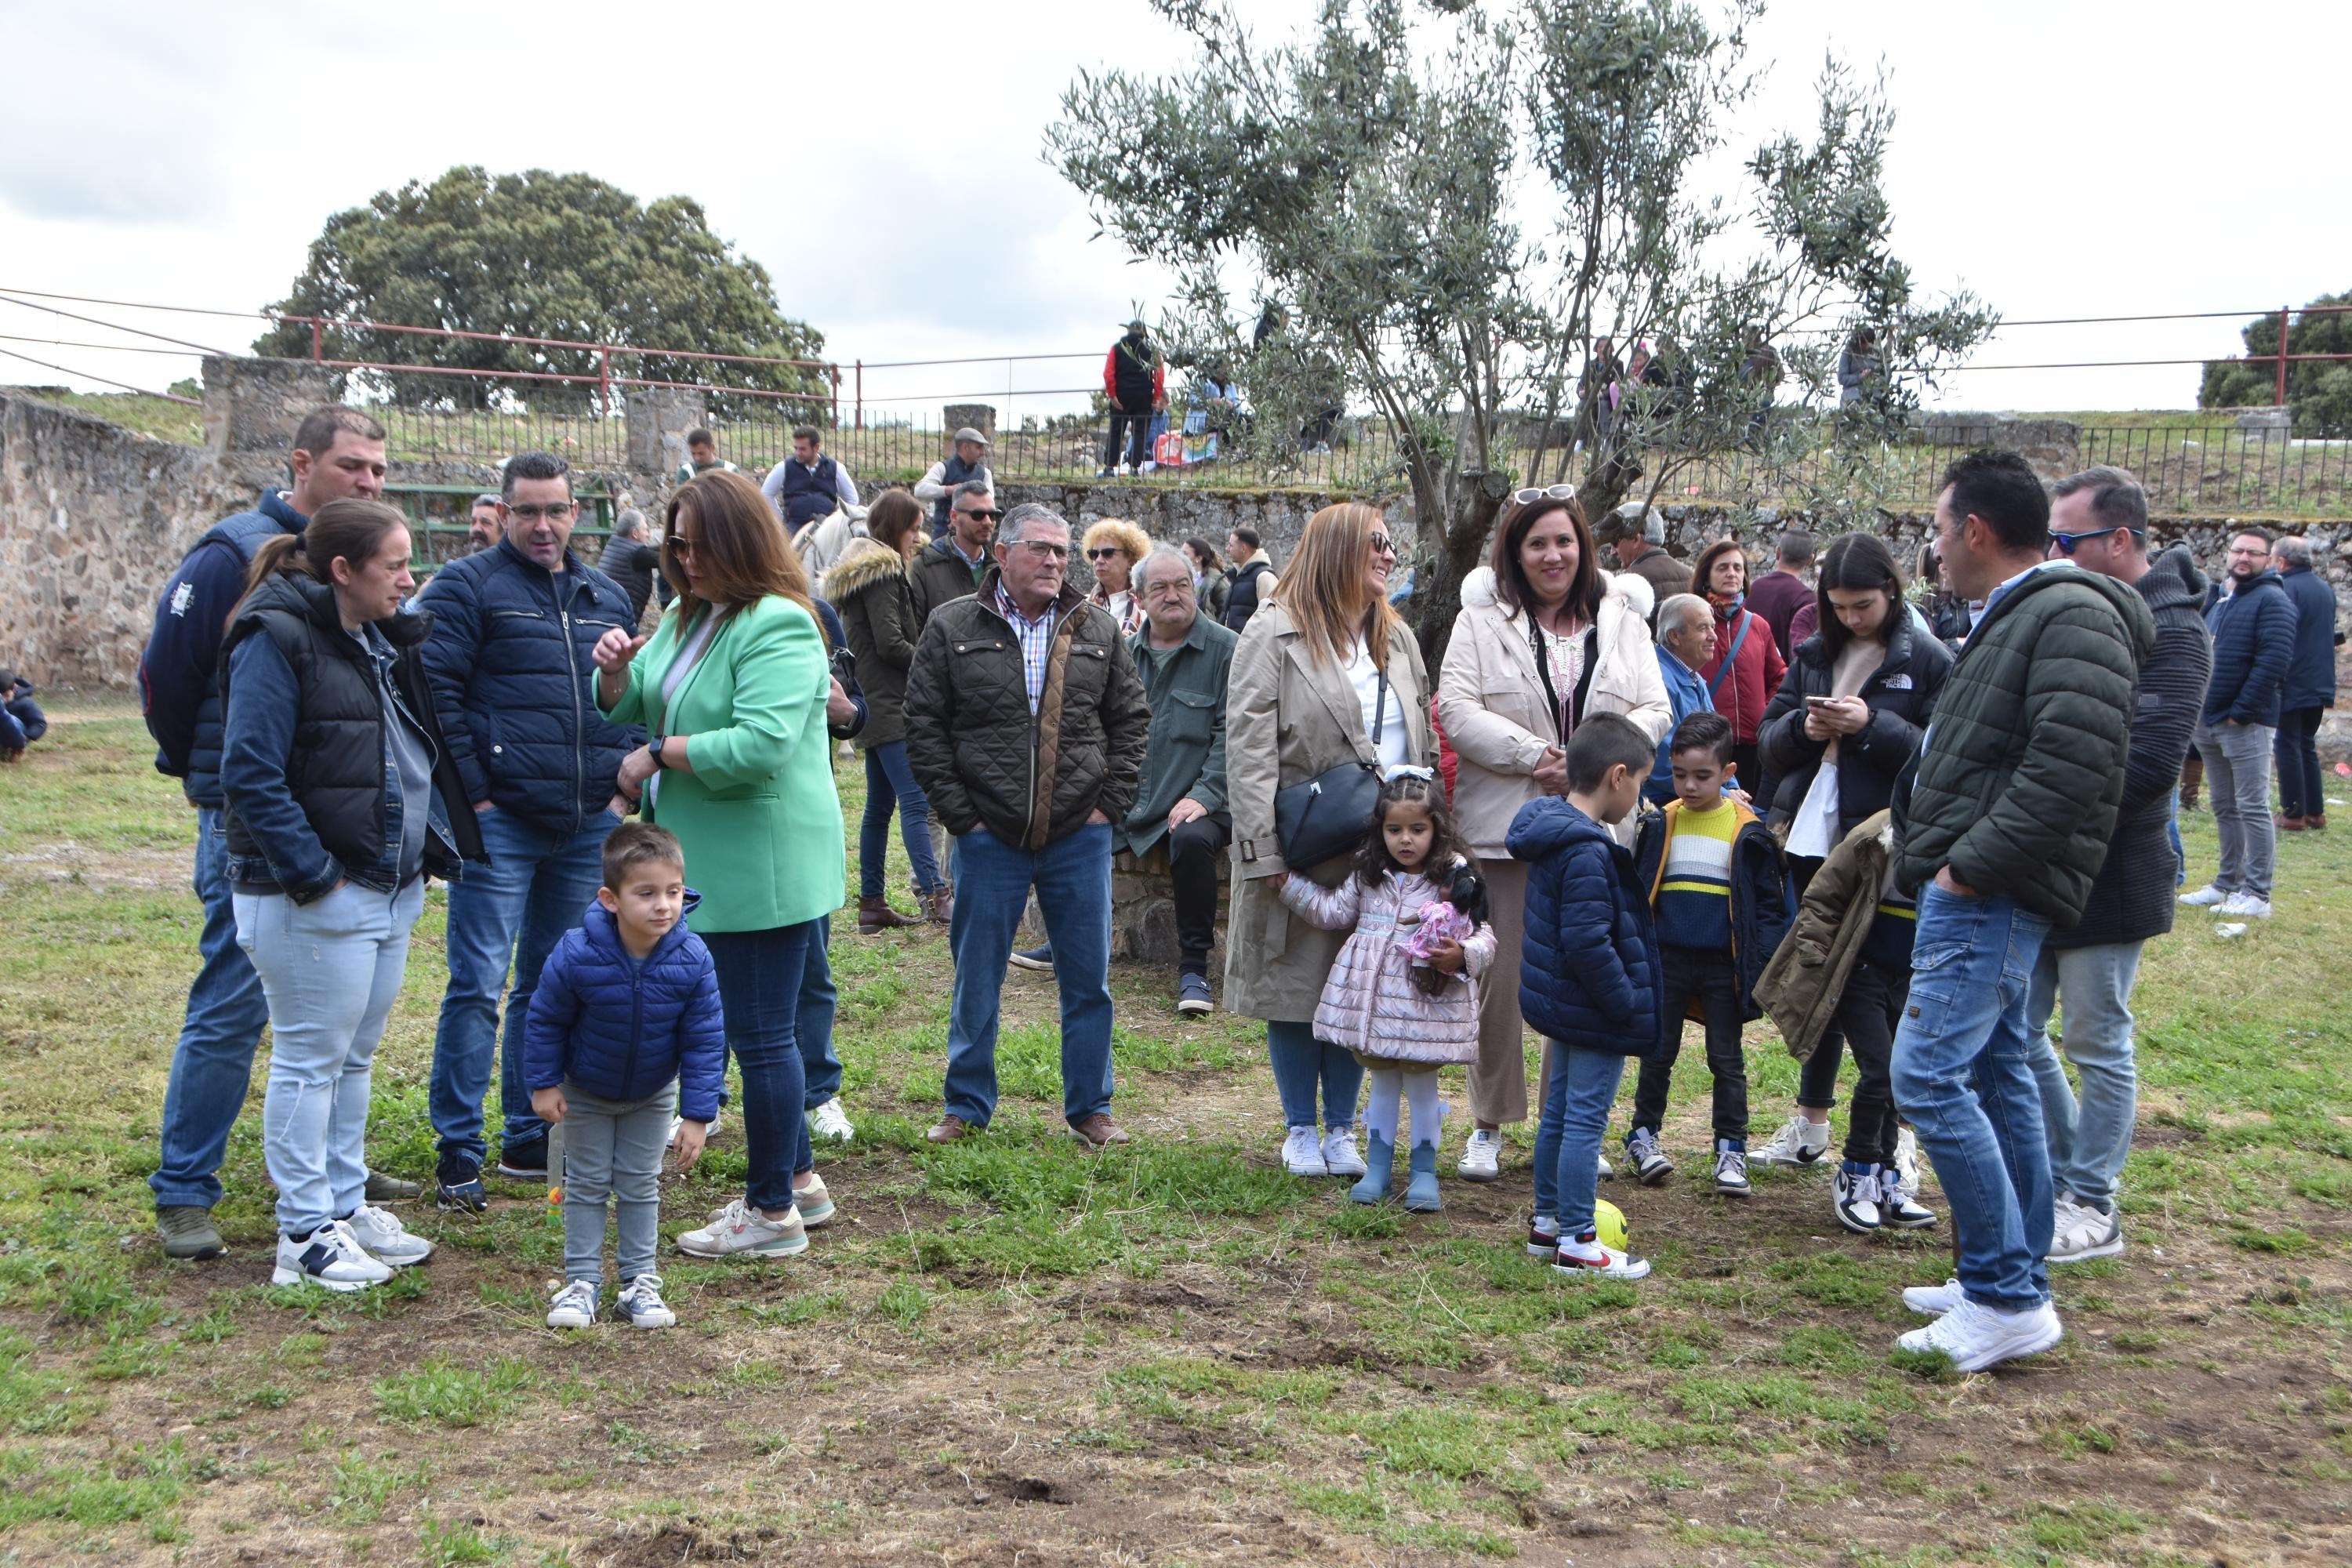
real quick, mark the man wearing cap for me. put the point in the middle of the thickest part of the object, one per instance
(1638, 533)
(1135, 379)
(938, 484)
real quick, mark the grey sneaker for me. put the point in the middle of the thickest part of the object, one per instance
(1651, 1165)
(188, 1232)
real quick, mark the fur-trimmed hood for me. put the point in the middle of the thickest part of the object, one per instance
(1631, 587)
(866, 563)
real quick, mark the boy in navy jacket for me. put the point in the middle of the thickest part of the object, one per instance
(623, 1028)
(1588, 979)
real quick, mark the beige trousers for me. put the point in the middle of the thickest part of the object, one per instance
(1498, 1078)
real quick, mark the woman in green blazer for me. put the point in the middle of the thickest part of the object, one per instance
(731, 689)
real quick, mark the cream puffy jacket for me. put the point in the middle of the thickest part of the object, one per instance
(1490, 700)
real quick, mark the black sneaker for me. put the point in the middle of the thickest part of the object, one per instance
(1040, 958)
(458, 1186)
(384, 1189)
(525, 1162)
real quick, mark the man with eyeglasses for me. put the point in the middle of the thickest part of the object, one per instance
(1184, 659)
(1026, 728)
(2098, 519)
(509, 658)
(2253, 626)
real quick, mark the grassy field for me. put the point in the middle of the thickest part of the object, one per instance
(1007, 1352)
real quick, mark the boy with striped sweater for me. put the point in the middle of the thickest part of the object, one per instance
(1720, 890)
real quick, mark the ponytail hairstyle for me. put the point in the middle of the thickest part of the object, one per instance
(1416, 786)
(349, 529)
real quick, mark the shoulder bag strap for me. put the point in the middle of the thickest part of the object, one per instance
(1730, 658)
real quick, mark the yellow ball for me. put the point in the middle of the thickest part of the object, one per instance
(1609, 1221)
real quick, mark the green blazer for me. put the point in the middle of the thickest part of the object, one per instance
(759, 816)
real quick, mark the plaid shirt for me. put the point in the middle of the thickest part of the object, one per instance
(1037, 641)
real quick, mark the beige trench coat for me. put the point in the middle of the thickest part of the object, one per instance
(1288, 720)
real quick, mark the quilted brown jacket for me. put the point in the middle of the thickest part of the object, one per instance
(984, 761)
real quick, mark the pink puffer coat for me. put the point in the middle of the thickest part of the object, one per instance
(1370, 1004)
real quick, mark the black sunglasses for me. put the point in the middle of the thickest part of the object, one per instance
(986, 514)
(1104, 553)
(2064, 543)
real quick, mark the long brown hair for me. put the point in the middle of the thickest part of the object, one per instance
(740, 546)
(1326, 574)
(893, 513)
(351, 528)
(1511, 586)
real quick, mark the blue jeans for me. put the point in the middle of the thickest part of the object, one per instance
(760, 976)
(1303, 1063)
(1072, 875)
(2088, 1140)
(1963, 1073)
(212, 1067)
(515, 909)
(331, 969)
(812, 1029)
(1580, 1086)
(890, 781)
(2180, 853)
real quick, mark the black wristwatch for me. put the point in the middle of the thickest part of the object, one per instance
(654, 743)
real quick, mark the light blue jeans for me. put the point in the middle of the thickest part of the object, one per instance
(2088, 1140)
(1580, 1086)
(1963, 1072)
(331, 969)
(212, 1067)
(1302, 1063)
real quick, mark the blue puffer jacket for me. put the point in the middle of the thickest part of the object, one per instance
(2253, 644)
(2311, 673)
(510, 659)
(1590, 975)
(622, 1033)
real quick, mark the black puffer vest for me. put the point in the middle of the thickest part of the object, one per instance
(336, 768)
(243, 533)
(954, 472)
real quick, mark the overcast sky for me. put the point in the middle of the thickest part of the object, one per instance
(2060, 158)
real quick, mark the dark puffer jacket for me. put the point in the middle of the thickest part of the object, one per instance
(2311, 673)
(1902, 696)
(1590, 975)
(2022, 776)
(2132, 898)
(512, 672)
(621, 1031)
(984, 761)
(869, 586)
(2253, 628)
(939, 575)
(1761, 894)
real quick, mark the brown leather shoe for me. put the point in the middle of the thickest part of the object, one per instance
(1099, 1131)
(876, 914)
(940, 906)
(951, 1128)
(2286, 824)
(2315, 823)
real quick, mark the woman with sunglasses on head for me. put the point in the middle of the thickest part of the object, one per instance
(1327, 677)
(1114, 546)
(1545, 639)
(1848, 718)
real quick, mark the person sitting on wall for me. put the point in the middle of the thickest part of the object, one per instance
(702, 458)
(807, 485)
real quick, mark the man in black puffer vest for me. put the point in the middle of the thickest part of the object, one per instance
(509, 658)
(2099, 521)
(2016, 792)
(338, 452)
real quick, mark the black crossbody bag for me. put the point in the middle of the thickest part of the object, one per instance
(1332, 812)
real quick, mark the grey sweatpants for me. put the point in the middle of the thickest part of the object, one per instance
(613, 1150)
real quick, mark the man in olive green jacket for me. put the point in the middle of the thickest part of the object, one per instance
(1185, 658)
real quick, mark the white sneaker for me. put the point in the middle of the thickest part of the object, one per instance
(1730, 1171)
(641, 1303)
(1543, 1238)
(2205, 896)
(332, 1259)
(1977, 1337)
(2079, 1232)
(1906, 1161)
(1340, 1155)
(382, 1235)
(2239, 906)
(829, 1120)
(1482, 1156)
(1799, 1143)
(709, 1132)
(1934, 1300)
(1602, 1170)
(1899, 1206)
(739, 1229)
(1593, 1260)
(575, 1306)
(1302, 1153)
(1853, 1196)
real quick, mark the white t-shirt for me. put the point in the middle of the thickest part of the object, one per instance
(1394, 749)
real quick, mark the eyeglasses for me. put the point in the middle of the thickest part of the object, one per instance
(986, 514)
(552, 513)
(2064, 543)
(1040, 547)
(1381, 542)
(1104, 553)
(1549, 492)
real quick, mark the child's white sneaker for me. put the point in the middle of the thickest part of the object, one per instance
(1340, 1155)
(382, 1235)
(1799, 1143)
(330, 1257)
(1543, 1236)
(1585, 1256)
(641, 1303)
(575, 1306)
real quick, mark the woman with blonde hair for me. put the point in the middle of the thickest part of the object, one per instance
(731, 689)
(1114, 548)
(1328, 675)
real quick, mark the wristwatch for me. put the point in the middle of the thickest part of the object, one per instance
(654, 743)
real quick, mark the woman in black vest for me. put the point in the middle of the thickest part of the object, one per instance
(341, 796)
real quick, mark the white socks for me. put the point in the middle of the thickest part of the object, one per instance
(1428, 1111)
(1380, 1105)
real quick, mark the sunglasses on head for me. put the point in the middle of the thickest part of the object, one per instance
(2064, 543)
(1547, 492)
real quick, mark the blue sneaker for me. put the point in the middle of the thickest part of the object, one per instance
(457, 1185)
(1420, 1194)
(1380, 1169)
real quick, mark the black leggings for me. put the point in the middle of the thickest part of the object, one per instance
(1868, 1013)
(1709, 979)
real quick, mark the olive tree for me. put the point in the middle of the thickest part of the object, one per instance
(1450, 205)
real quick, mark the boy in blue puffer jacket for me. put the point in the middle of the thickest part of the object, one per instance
(625, 1029)
(1588, 979)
